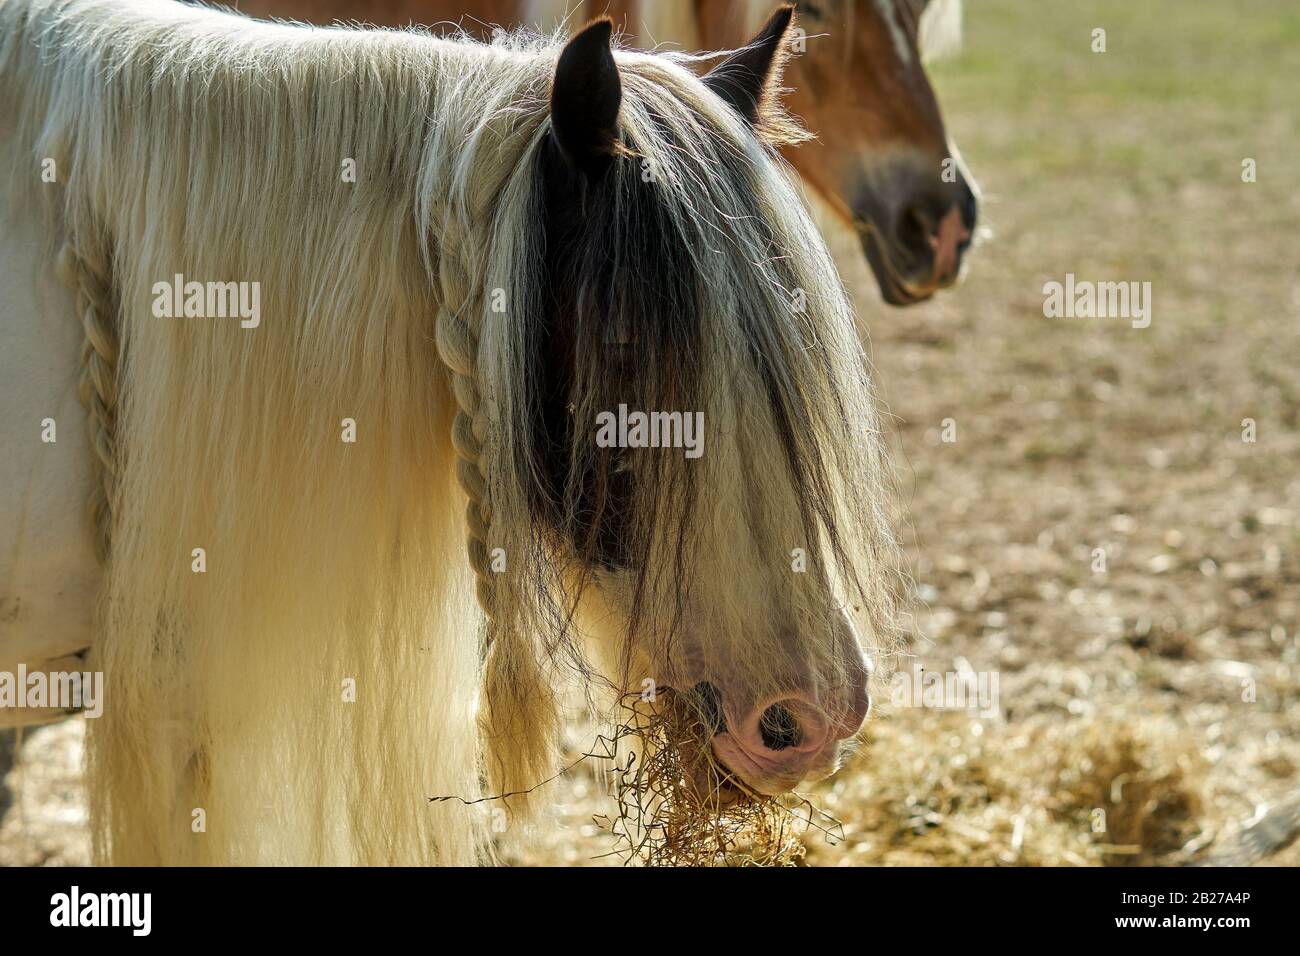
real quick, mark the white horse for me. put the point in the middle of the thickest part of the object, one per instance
(321, 292)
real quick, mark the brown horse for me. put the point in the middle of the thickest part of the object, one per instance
(881, 162)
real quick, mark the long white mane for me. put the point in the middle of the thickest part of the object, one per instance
(330, 572)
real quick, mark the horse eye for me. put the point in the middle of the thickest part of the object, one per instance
(812, 11)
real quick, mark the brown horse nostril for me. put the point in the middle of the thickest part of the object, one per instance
(913, 230)
(778, 728)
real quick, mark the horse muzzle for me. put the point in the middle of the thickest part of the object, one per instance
(915, 248)
(785, 739)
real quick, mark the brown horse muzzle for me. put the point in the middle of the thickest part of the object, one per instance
(915, 231)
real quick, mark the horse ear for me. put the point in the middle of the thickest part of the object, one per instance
(748, 79)
(585, 98)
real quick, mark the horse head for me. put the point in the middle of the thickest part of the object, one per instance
(882, 158)
(731, 542)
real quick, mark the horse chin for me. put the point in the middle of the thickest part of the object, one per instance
(935, 270)
(894, 289)
(773, 781)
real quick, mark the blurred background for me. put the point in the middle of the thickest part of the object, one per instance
(1149, 713)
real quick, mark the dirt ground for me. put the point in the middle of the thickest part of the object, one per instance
(1148, 713)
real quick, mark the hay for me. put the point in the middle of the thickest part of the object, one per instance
(677, 806)
(945, 789)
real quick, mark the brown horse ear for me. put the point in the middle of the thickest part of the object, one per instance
(585, 98)
(748, 79)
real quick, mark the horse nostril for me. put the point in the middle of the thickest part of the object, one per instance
(707, 700)
(778, 728)
(914, 228)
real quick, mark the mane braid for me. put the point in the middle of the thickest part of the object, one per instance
(87, 271)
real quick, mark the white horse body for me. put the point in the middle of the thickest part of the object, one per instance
(409, 709)
(49, 575)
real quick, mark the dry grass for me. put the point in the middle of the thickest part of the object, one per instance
(951, 790)
(677, 806)
(674, 803)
